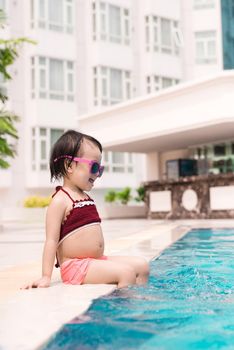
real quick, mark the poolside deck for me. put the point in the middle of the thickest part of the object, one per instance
(29, 317)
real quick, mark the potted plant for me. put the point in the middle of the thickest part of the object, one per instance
(120, 205)
(124, 196)
(35, 208)
(141, 194)
(110, 196)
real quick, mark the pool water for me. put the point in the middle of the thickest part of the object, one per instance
(187, 304)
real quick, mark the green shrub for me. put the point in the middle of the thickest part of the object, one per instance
(141, 194)
(110, 196)
(124, 196)
(37, 202)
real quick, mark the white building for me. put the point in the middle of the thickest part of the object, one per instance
(93, 54)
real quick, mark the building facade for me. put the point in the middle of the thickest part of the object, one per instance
(90, 55)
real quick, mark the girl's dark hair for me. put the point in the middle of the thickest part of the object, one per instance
(68, 144)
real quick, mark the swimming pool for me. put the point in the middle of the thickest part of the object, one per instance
(187, 304)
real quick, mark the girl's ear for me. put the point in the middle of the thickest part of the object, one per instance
(68, 166)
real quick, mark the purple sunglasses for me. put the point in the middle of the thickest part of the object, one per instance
(94, 167)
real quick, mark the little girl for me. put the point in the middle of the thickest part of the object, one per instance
(73, 230)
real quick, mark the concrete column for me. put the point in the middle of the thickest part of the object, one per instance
(152, 166)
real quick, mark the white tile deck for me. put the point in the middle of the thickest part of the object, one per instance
(29, 317)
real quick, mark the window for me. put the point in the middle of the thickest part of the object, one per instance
(219, 150)
(203, 4)
(162, 35)
(156, 83)
(205, 47)
(152, 33)
(166, 36)
(42, 141)
(115, 24)
(111, 85)
(55, 78)
(118, 162)
(110, 23)
(55, 15)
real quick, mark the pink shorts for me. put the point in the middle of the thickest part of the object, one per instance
(73, 271)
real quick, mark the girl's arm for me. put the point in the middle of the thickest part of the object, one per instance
(54, 217)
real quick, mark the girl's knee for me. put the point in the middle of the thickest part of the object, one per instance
(143, 266)
(129, 275)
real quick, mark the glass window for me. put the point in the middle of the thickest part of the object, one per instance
(114, 24)
(69, 15)
(70, 82)
(211, 49)
(33, 150)
(219, 150)
(42, 141)
(166, 32)
(106, 156)
(118, 162)
(155, 83)
(42, 132)
(104, 87)
(166, 82)
(111, 85)
(56, 15)
(116, 84)
(42, 9)
(162, 35)
(42, 61)
(118, 157)
(43, 149)
(55, 78)
(42, 79)
(126, 28)
(128, 91)
(203, 4)
(205, 47)
(56, 81)
(147, 34)
(55, 135)
(118, 169)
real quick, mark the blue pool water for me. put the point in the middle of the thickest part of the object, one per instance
(187, 304)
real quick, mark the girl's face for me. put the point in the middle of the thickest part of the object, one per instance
(79, 173)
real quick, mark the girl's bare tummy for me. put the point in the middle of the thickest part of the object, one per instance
(86, 242)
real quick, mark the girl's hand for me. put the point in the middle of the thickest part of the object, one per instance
(43, 282)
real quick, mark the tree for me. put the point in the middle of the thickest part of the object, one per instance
(8, 53)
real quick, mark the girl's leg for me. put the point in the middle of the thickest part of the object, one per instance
(139, 264)
(111, 272)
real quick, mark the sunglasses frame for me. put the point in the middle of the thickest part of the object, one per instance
(87, 161)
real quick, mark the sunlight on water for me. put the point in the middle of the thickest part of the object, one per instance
(187, 304)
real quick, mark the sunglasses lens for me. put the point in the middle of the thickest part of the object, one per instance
(101, 171)
(95, 168)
